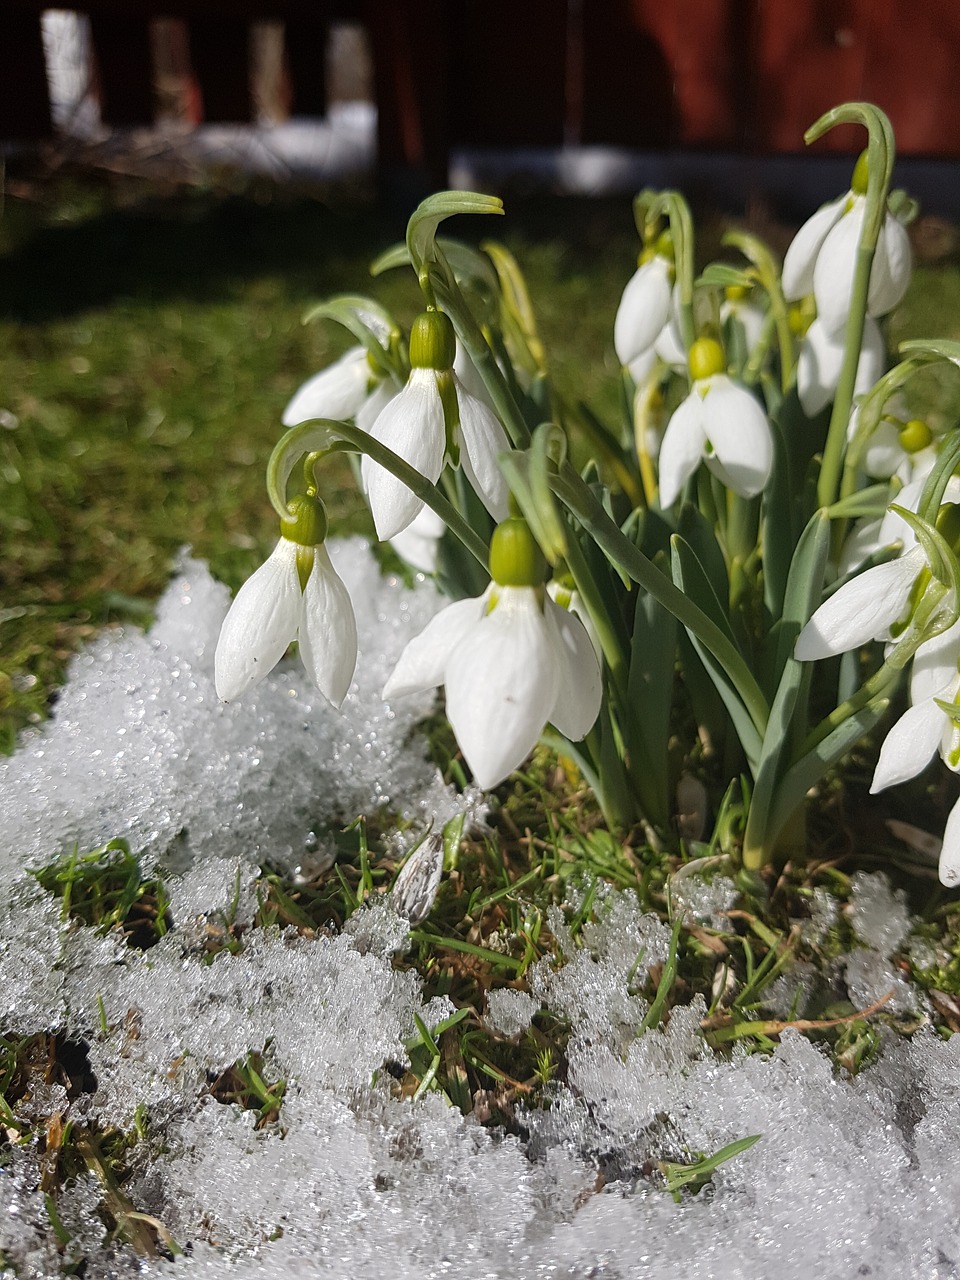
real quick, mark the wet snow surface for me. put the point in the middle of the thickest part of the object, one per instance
(850, 1178)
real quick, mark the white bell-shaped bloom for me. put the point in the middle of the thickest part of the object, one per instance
(723, 425)
(412, 425)
(863, 609)
(821, 361)
(927, 727)
(644, 309)
(271, 609)
(338, 392)
(510, 661)
(822, 261)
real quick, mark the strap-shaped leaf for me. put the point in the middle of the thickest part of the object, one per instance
(690, 577)
(516, 310)
(369, 322)
(722, 275)
(788, 710)
(426, 218)
(528, 474)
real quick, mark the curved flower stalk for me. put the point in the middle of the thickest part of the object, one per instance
(433, 416)
(510, 660)
(719, 423)
(820, 364)
(823, 255)
(296, 594)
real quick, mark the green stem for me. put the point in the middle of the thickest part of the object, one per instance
(570, 488)
(299, 440)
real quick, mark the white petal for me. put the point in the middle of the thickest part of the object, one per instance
(419, 543)
(821, 361)
(412, 426)
(834, 270)
(335, 392)
(469, 375)
(934, 671)
(262, 621)
(375, 403)
(578, 698)
(423, 663)
(643, 311)
(860, 543)
(862, 609)
(681, 448)
(950, 853)
(502, 682)
(802, 255)
(669, 347)
(884, 454)
(873, 358)
(482, 439)
(736, 426)
(328, 630)
(909, 746)
(892, 265)
(641, 368)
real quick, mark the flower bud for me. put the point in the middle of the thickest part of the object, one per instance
(307, 522)
(706, 359)
(914, 436)
(415, 888)
(433, 344)
(515, 558)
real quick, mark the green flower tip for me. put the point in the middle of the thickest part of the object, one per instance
(706, 359)
(433, 344)
(914, 436)
(307, 522)
(515, 558)
(861, 172)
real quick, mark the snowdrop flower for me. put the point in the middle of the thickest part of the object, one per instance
(565, 595)
(338, 392)
(821, 361)
(510, 661)
(863, 609)
(296, 594)
(822, 258)
(930, 724)
(646, 303)
(414, 425)
(719, 423)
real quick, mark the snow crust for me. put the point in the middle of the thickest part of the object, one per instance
(851, 1177)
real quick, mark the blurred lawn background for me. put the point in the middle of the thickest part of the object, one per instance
(150, 336)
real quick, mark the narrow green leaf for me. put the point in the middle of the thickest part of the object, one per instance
(426, 218)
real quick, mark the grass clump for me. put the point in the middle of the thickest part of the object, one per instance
(107, 890)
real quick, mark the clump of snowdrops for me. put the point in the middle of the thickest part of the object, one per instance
(750, 564)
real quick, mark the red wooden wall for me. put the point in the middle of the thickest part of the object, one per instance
(741, 75)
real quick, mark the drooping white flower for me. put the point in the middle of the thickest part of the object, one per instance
(821, 361)
(863, 609)
(822, 259)
(296, 594)
(412, 424)
(337, 392)
(930, 724)
(510, 661)
(719, 423)
(644, 308)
